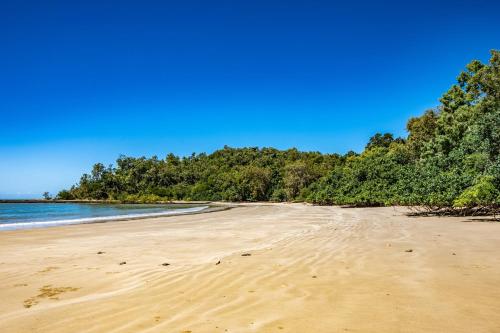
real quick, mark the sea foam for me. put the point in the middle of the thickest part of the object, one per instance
(43, 224)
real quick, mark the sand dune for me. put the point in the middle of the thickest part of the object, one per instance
(310, 269)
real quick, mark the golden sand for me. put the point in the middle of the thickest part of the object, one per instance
(255, 268)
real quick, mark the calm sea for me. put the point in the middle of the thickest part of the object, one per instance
(36, 215)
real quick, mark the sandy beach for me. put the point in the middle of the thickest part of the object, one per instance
(255, 268)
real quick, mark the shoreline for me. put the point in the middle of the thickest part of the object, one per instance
(109, 219)
(43, 201)
(413, 210)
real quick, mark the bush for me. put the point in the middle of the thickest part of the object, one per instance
(65, 195)
(481, 194)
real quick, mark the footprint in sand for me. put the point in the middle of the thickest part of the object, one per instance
(48, 269)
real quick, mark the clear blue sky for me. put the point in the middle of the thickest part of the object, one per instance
(85, 81)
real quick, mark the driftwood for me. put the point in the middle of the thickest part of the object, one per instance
(429, 210)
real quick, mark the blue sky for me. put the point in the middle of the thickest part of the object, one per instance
(84, 81)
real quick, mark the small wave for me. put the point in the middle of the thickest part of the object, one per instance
(42, 224)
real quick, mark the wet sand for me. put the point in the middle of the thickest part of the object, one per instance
(305, 269)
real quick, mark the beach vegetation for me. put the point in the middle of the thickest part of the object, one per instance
(449, 158)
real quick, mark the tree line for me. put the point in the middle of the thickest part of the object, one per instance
(450, 158)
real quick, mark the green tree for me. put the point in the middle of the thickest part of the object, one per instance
(483, 193)
(449, 158)
(297, 176)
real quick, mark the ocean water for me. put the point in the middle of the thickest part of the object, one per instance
(38, 215)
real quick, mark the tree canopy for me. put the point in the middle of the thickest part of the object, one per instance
(450, 157)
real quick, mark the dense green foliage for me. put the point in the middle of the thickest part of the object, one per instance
(450, 157)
